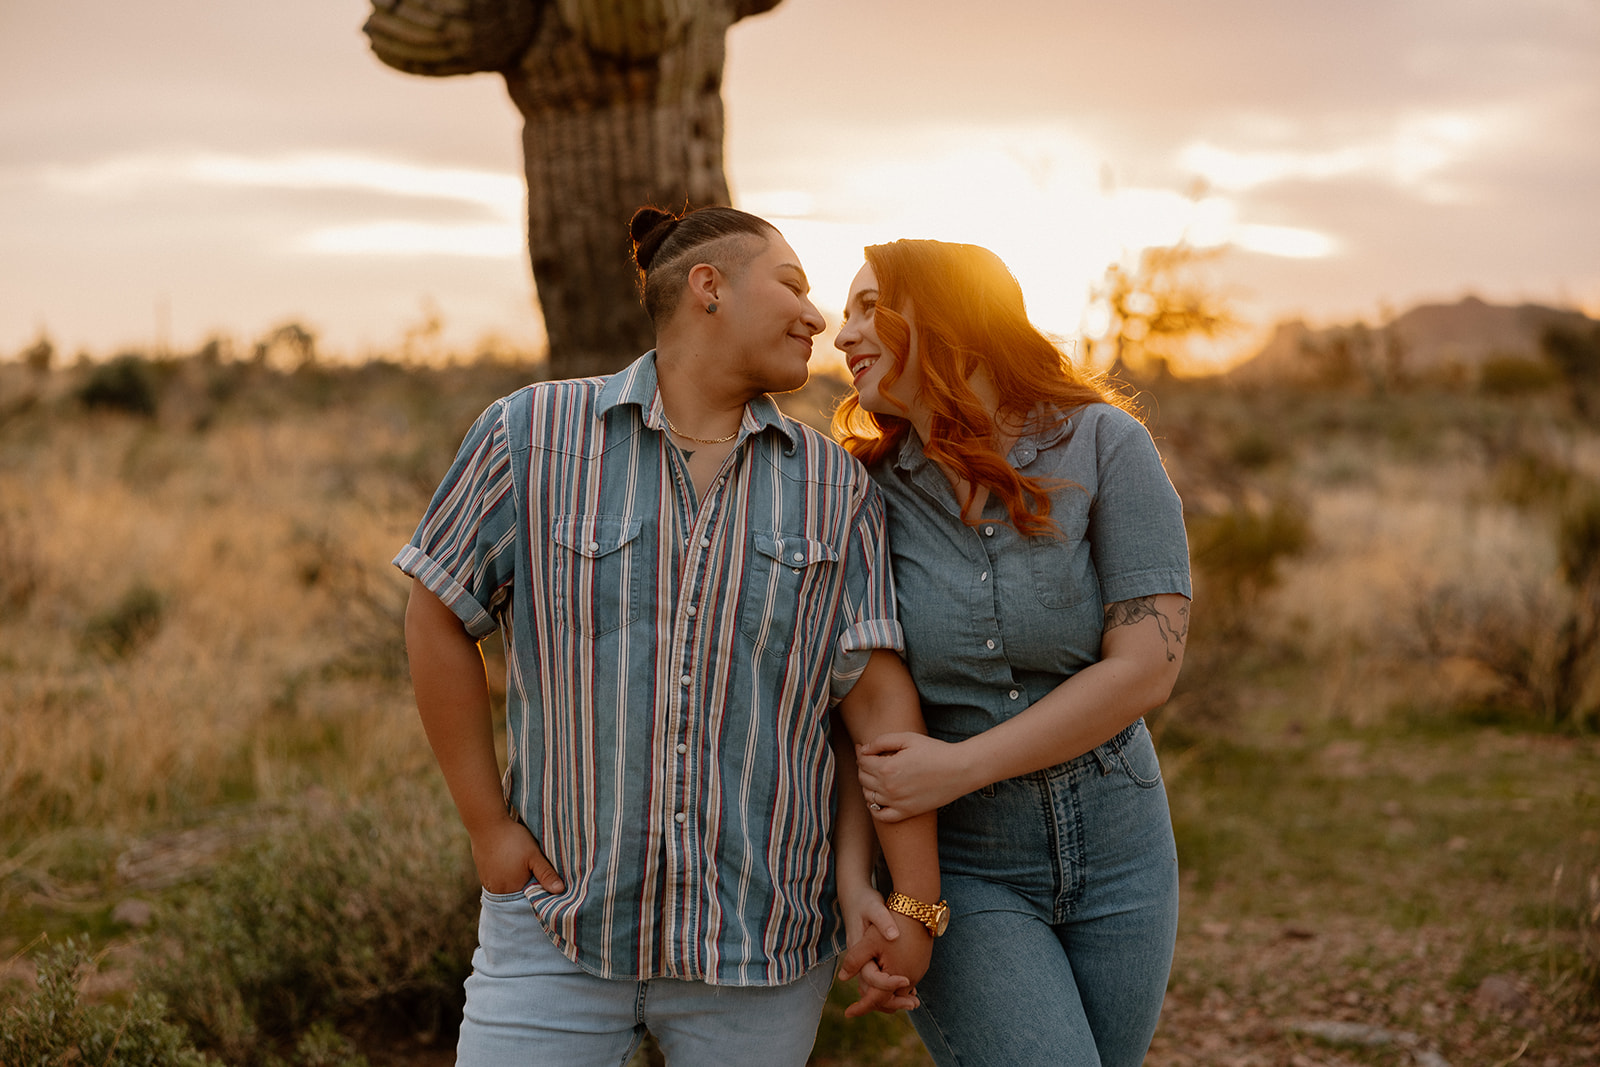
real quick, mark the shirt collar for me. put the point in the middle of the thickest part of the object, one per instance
(1052, 428)
(636, 384)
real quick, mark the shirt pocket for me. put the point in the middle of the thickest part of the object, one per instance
(596, 572)
(789, 574)
(1063, 572)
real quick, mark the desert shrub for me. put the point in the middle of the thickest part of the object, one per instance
(1516, 376)
(52, 1026)
(1578, 540)
(1528, 478)
(1541, 643)
(126, 384)
(1236, 554)
(1255, 449)
(20, 570)
(358, 914)
(122, 628)
(1588, 971)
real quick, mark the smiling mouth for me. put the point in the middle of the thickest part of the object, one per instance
(861, 364)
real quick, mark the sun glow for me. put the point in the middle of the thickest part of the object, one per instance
(1038, 197)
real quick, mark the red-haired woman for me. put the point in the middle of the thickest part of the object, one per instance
(1042, 575)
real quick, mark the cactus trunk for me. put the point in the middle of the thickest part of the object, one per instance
(602, 135)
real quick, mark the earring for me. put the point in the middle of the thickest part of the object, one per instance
(711, 308)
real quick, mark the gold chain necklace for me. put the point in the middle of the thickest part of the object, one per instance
(701, 440)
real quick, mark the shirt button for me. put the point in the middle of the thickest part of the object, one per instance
(705, 542)
(984, 577)
(988, 531)
(682, 749)
(685, 679)
(594, 546)
(799, 556)
(681, 818)
(692, 611)
(1014, 694)
(989, 643)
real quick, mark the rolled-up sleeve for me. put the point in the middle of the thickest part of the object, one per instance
(870, 621)
(463, 547)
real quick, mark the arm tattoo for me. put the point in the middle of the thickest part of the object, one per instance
(1127, 612)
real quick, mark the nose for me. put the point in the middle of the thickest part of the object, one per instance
(813, 319)
(848, 335)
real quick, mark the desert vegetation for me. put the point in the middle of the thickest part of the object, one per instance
(222, 838)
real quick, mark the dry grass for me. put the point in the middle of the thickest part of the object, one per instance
(267, 557)
(199, 637)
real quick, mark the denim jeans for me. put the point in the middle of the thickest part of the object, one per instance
(1063, 890)
(527, 1004)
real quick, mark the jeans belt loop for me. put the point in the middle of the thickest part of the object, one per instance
(1104, 758)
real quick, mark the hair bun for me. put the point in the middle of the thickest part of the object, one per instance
(649, 228)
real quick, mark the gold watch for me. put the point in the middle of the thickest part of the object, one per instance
(936, 917)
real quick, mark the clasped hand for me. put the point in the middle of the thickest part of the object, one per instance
(907, 774)
(888, 961)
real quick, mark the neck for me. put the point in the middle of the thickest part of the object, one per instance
(696, 394)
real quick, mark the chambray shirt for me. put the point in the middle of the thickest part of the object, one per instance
(670, 666)
(994, 620)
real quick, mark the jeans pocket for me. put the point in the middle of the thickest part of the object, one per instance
(1137, 756)
(519, 896)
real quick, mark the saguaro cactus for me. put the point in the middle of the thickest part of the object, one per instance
(622, 105)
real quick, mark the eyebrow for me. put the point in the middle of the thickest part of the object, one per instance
(798, 270)
(858, 298)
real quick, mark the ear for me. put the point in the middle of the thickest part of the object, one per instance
(704, 283)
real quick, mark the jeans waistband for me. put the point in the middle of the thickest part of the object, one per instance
(1100, 754)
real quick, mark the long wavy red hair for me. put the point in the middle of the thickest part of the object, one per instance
(969, 313)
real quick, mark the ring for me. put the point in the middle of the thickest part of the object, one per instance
(877, 807)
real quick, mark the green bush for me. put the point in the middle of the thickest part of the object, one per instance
(1236, 555)
(53, 1027)
(124, 384)
(367, 913)
(1517, 376)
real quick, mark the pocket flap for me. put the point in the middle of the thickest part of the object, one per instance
(593, 536)
(793, 550)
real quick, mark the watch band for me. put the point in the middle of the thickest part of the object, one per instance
(936, 917)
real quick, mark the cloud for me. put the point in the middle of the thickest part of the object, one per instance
(1416, 153)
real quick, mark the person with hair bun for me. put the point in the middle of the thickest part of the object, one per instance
(1042, 576)
(695, 600)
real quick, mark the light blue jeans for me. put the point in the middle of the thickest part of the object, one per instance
(1063, 890)
(527, 1004)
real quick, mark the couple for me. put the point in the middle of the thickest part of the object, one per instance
(688, 581)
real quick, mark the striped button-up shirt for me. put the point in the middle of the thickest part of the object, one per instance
(670, 665)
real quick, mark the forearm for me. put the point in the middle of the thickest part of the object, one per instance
(452, 691)
(1139, 665)
(884, 701)
(855, 843)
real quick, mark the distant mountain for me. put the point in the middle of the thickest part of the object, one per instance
(1429, 341)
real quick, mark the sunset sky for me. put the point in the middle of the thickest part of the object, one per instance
(175, 168)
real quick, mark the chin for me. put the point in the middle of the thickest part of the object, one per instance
(788, 384)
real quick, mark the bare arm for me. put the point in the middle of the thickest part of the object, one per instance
(869, 925)
(1141, 654)
(452, 691)
(885, 700)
